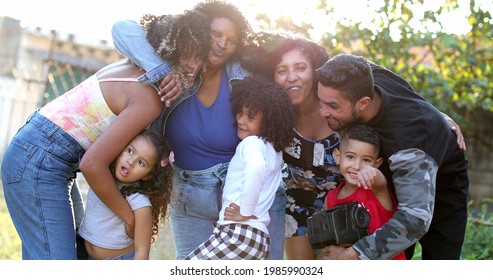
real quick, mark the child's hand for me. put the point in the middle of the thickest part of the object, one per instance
(232, 213)
(367, 176)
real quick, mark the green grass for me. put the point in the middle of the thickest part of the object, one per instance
(10, 244)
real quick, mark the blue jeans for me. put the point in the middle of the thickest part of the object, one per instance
(37, 176)
(125, 257)
(277, 213)
(195, 205)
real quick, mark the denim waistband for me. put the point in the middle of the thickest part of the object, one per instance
(216, 171)
(52, 130)
(125, 257)
(43, 123)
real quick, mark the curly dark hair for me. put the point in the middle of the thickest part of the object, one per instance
(221, 9)
(158, 187)
(178, 37)
(260, 95)
(267, 48)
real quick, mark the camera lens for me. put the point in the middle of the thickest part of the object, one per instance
(360, 217)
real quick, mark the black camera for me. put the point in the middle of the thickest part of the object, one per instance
(346, 223)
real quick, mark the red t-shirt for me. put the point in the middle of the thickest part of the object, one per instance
(378, 214)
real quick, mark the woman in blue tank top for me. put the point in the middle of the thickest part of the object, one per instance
(199, 125)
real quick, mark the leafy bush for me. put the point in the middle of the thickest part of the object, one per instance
(478, 243)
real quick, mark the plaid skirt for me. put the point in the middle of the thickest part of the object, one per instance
(233, 242)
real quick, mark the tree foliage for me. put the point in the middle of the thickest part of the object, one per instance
(453, 71)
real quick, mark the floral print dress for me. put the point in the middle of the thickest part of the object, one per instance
(309, 173)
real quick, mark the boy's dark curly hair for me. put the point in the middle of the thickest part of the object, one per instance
(158, 187)
(260, 95)
(178, 37)
(221, 9)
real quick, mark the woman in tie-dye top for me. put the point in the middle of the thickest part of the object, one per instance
(86, 129)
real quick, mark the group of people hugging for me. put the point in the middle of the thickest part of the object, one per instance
(236, 138)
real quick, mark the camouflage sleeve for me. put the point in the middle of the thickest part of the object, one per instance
(414, 176)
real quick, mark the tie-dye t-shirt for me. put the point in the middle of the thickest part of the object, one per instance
(82, 112)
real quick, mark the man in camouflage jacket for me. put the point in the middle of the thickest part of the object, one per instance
(424, 164)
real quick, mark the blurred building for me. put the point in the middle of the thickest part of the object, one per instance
(38, 65)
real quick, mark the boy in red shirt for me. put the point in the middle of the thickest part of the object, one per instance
(358, 157)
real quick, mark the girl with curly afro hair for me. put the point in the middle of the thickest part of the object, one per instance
(143, 173)
(264, 121)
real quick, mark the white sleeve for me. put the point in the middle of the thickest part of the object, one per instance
(254, 155)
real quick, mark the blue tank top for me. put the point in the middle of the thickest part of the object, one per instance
(203, 137)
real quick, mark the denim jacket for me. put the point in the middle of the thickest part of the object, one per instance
(130, 39)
